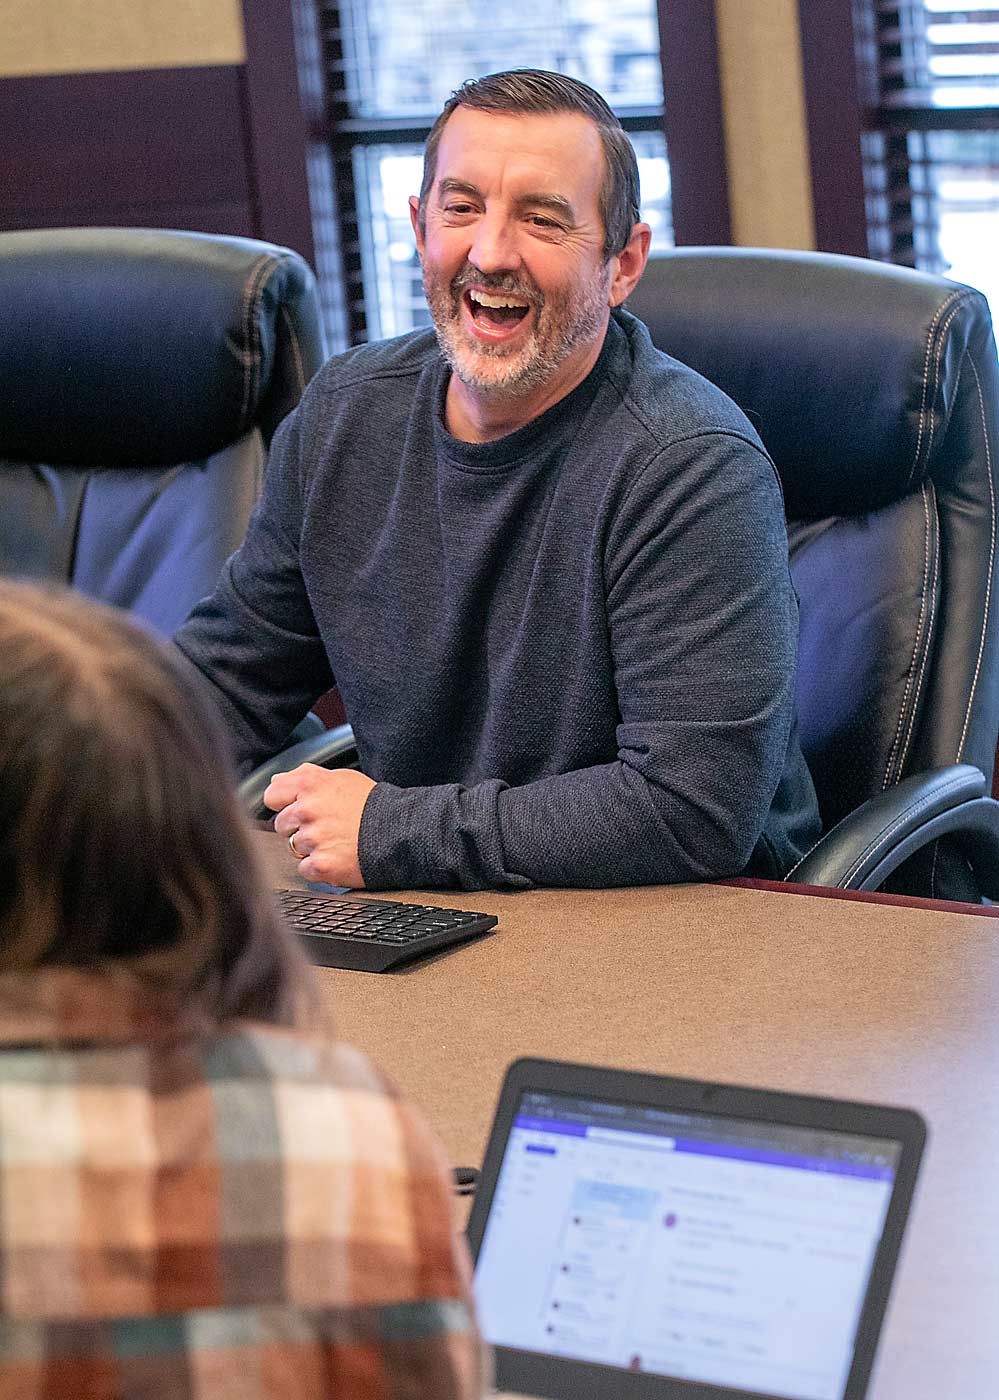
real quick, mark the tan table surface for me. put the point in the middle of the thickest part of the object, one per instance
(872, 1001)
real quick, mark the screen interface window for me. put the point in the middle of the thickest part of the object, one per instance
(723, 1251)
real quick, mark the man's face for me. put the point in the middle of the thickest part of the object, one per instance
(512, 250)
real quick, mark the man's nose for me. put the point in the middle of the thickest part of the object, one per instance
(494, 247)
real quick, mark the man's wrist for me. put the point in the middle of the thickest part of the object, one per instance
(368, 840)
(398, 841)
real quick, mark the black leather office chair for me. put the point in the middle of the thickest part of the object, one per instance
(876, 391)
(142, 374)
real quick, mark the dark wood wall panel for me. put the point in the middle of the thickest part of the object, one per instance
(834, 116)
(277, 126)
(200, 218)
(695, 129)
(163, 147)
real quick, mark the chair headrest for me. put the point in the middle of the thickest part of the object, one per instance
(848, 368)
(139, 345)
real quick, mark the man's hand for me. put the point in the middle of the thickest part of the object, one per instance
(321, 808)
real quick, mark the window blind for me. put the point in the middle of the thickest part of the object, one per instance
(932, 148)
(938, 54)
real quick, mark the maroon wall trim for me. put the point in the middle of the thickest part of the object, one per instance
(163, 147)
(905, 901)
(277, 128)
(695, 129)
(834, 117)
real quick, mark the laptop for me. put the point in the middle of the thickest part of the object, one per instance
(637, 1236)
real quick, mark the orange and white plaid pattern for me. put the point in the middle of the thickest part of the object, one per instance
(237, 1214)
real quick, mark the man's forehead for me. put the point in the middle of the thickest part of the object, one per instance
(560, 148)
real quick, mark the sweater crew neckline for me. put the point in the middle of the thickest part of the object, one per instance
(515, 447)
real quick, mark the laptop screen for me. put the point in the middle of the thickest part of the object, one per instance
(719, 1250)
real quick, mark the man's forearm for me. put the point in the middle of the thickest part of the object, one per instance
(602, 826)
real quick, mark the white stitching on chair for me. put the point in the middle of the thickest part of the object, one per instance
(286, 317)
(802, 859)
(941, 342)
(885, 838)
(927, 643)
(251, 355)
(953, 305)
(926, 380)
(924, 492)
(992, 555)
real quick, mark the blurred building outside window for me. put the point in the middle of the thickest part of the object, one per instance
(933, 148)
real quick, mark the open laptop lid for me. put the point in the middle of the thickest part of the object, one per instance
(639, 1236)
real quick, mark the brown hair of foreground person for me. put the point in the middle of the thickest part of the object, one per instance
(120, 838)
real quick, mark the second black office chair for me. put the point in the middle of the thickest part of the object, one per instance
(876, 391)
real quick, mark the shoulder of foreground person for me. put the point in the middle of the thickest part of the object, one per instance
(406, 1263)
(274, 1206)
(331, 1105)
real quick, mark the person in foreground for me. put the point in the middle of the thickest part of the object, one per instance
(199, 1199)
(545, 564)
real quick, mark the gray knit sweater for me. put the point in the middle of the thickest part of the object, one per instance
(568, 655)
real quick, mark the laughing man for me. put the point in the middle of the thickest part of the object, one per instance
(544, 563)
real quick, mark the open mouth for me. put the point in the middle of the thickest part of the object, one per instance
(495, 311)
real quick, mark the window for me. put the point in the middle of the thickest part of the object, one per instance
(931, 150)
(390, 65)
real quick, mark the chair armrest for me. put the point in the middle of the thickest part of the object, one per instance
(307, 728)
(333, 748)
(862, 850)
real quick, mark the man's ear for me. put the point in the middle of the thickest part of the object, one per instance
(414, 218)
(629, 264)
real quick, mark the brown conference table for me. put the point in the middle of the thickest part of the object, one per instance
(858, 997)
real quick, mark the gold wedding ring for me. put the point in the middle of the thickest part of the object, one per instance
(299, 855)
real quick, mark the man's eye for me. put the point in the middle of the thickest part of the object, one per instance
(458, 208)
(542, 221)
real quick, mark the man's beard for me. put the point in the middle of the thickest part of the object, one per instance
(563, 321)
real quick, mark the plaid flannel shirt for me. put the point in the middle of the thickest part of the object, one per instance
(189, 1213)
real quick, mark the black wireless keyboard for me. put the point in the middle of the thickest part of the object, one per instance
(372, 935)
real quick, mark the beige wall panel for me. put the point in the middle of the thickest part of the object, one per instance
(765, 130)
(88, 36)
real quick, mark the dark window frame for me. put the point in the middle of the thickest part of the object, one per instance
(834, 121)
(277, 125)
(288, 123)
(846, 105)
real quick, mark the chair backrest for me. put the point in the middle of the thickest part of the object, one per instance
(876, 391)
(143, 373)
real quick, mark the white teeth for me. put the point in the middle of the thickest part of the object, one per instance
(484, 299)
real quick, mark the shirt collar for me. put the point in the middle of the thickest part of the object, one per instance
(60, 1005)
(556, 421)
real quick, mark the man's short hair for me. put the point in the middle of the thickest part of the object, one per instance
(530, 91)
